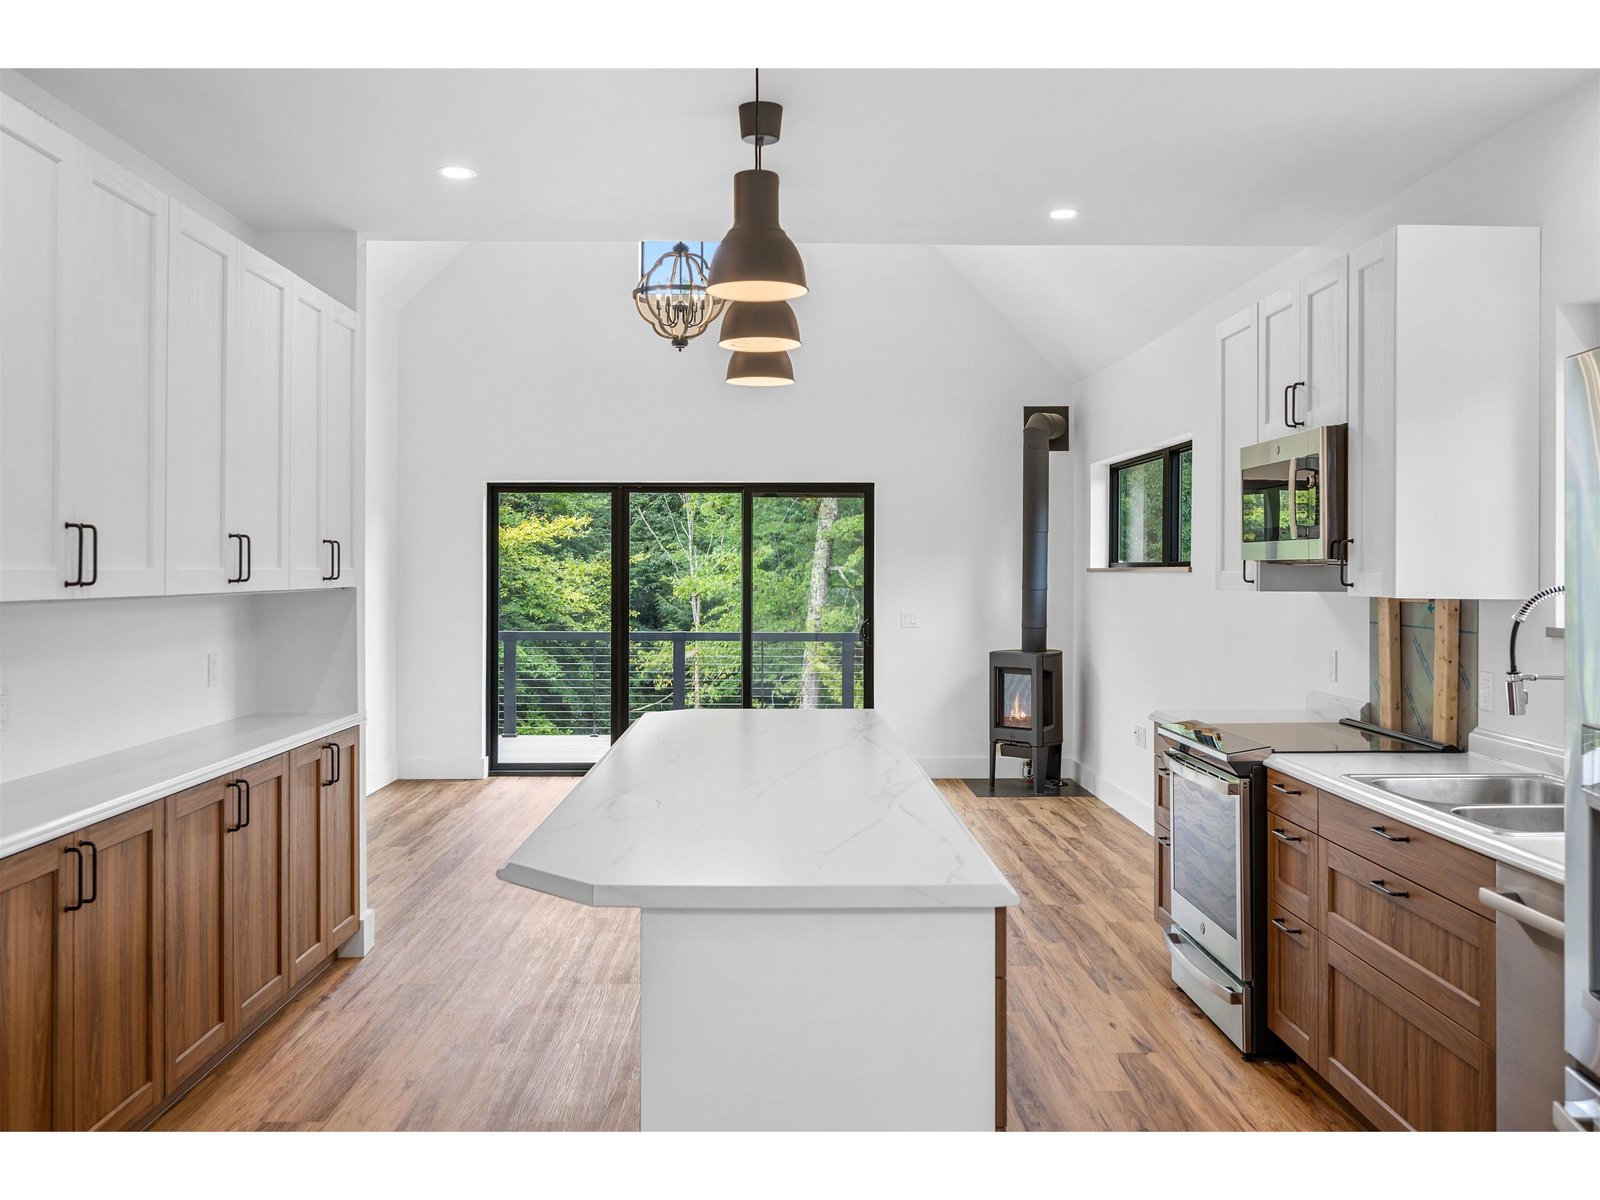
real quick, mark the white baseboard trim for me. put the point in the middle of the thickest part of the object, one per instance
(362, 941)
(464, 767)
(1126, 805)
(381, 775)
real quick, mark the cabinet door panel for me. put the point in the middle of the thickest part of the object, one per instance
(1294, 983)
(306, 874)
(1292, 867)
(257, 896)
(1279, 359)
(35, 887)
(38, 166)
(343, 842)
(198, 998)
(1397, 1060)
(1371, 399)
(1239, 426)
(113, 375)
(339, 461)
(1163, 905)
(1324, 346)
(309, 559)
(257, 425)
(201, 295)
(117, 943)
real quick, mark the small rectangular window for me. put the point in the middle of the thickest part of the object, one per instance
(1152, 509)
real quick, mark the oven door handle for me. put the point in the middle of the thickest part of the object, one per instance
(1197, 967)
(1192, 767)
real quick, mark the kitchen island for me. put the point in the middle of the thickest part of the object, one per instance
(822, 938)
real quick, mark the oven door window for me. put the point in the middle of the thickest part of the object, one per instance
(1205, 854)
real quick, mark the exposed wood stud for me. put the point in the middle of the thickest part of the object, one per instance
(1446, 668)
(1389, 692)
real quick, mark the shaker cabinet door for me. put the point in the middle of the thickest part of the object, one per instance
(35, 888)
(1239, 426)
(256, 484)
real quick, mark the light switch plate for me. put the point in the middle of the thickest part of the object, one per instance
(908, 619)
(211, 669)
(1485, 691)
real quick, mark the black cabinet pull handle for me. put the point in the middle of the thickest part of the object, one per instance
(238, 807)
(1284, 837)
(1287, 791)
(238, 578)
(1341, 547)
(78, 582)
(1288, 422)
(1388, 837)
(94, 871)
(338, 559)
(332, 551)
(1165, 841)
(78, 903)
(245, 785)
(94, 558)
(1377, 886)
(1292, 412)
(1280, 923)
(328, 779)
(1244, 564)
(338, 762)
(249, 558)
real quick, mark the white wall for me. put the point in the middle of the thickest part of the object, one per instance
(1171, 641)
(526, 362)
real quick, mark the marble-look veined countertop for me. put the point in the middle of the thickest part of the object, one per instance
(759, 808)
(1542, 854)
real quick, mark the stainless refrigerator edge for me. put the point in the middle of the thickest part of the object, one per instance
(1580, 1111)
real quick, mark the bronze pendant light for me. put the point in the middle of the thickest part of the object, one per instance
(748, 369)
(756, 260)
(760, 328)
(671, 296)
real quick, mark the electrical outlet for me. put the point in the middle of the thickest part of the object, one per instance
(1486, 691)
(211, 669)
(1138, 736)
(1333, 666)
(5, 707)
(908, 619)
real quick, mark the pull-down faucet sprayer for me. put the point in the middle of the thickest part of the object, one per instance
(1516, 694)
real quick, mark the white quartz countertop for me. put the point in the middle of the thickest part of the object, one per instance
(39, 807)
(762, 808)
(1542, 854)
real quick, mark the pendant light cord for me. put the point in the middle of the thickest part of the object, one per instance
(759, 138)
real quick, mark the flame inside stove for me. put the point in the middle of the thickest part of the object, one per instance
(1016, 714)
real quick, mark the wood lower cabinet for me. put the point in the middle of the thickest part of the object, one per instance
(1394, 1058)
(1292, 867)
(114, 951)
(1294, 983)
(35, 887)
(1163, 904)
(135, 952)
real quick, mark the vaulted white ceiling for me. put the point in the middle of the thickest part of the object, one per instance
(937, 157)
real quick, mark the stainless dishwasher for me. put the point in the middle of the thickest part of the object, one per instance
(1529, 941)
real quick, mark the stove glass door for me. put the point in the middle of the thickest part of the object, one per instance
(1206, 890)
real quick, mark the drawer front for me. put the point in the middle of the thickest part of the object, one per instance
(1436, 950)
(1287, 797)
(1292, 868)
(1398, 1061)
(1163, 789)
(1455, 872)
(1163, 872)
(1294, 983)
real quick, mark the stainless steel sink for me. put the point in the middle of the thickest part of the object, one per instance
(1455, 792)
(1516, 818)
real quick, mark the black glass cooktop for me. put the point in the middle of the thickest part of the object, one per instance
(1254, 739)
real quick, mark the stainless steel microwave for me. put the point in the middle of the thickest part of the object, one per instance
(1292, 497)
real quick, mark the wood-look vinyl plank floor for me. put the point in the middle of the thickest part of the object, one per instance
(488, 1006)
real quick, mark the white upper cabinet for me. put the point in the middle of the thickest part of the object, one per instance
(1237, 395)
(1321, 398)
(256, 480)
(1278, 364)
(1444, 412)
(38, 166)
(178, 413)
(202, 285)
(323, 439)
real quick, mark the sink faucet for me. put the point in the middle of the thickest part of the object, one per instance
(1516, 694)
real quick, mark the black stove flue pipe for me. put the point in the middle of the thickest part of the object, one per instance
(1040, 430)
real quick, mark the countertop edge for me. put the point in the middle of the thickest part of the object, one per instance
(1502, 850)
(157, 789)
(746, 898)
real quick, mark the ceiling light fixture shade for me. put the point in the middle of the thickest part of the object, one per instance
(759, 328)
(672, 298)
(760, 370)
(756, 260)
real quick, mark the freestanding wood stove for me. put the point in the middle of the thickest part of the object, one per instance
(1025, 684)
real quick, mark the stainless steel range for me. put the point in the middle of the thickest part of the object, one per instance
(1212, 773)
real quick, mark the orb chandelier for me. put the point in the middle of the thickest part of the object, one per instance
(673, 299)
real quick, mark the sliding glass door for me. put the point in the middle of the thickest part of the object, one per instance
(611, 601)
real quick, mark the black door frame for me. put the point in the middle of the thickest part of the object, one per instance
(619, 493)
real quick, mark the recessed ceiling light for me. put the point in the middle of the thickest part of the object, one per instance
(458, 172)
(1063, 214)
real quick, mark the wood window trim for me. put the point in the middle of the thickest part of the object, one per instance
(1171, 478)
